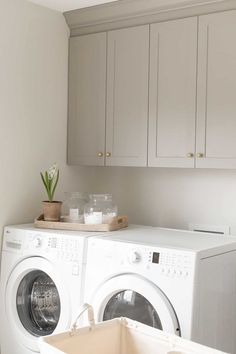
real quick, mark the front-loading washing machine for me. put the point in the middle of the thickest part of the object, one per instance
(179, 281)
(42, 284)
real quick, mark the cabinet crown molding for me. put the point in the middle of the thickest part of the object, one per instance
(126, 13)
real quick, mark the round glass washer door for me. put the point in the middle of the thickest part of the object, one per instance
(134, 306)
(130, 295)
(37, 301)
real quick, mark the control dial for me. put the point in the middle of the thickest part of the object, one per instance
(134, 257)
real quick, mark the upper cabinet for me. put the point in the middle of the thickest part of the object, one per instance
(108, 98)
(155, 95)
(127, 97)
(193, 78)
(87, 100)
(216, 113)
(172, 94)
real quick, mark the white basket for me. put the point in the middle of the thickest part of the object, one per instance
(119, 336)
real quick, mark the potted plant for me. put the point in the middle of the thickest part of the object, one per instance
(51, 208)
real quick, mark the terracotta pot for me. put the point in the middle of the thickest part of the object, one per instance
(52, 210)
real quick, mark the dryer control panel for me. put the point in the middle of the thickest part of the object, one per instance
(167, 266)
(172, 263)
(167, 262)
(147, 260)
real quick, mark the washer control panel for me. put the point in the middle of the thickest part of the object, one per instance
(57, 246)
(67, 249)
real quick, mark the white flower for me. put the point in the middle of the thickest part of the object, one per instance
(52, 171)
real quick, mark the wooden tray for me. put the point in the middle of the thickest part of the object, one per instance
(117, 223)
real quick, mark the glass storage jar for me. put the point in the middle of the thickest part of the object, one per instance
(100, 209)
(73, 206)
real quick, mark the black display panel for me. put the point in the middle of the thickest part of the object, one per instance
(155, 257)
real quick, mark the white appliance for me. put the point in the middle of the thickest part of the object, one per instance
(42, 284)
(179, 281)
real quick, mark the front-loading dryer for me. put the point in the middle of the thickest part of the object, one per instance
(177, 281)
(42, 284)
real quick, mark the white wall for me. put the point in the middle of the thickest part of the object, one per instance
(173, 197)
(33, 114)
(33, 109)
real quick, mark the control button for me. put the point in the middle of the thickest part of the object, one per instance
(167, 272)
(52, 242)
(59, 256)
(75, 269)
(179, 272)
(37, 242)
(67, 256)
(134, 257)
(77, 256)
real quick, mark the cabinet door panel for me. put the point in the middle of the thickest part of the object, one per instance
(172, 101)
(87, 94)
(216, 120)
(127, 96)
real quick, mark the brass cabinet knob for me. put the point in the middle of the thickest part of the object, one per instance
(190, 154)
(100, 154)
(200, 155)
(108, 154)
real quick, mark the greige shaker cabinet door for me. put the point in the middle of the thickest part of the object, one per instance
(172, 100)
(127, 96)
(216, 118)
(87, 100)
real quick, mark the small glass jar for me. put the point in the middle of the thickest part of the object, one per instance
(100, 209)
(73, 206)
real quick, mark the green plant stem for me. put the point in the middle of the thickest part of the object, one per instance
(55, 184)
